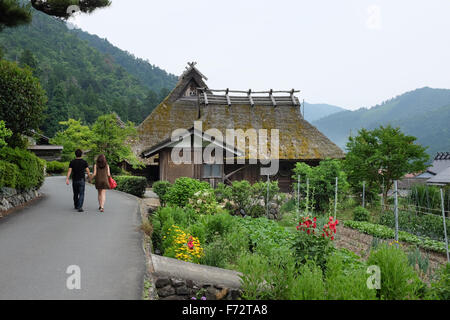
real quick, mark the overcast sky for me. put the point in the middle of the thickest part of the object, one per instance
(348, 53)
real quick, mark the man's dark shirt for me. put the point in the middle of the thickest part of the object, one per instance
(78, 169)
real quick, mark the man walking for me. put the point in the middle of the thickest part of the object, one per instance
(77, 168)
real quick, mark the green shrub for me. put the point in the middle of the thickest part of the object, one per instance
(223, 193)
(266, 235)
(268, 277)
(322, 183)
(312, 247)
(132, 185)
(166, 217)
(56, 167)
(398, 279)
(183, 189)
(204, 202)
(309, 285)
(425, 196)
(346, 278)
(9, 173)
(161, 188)
(30, 167)
(440, 288)
(217, 225)
(224, 250)
(361, 214)
(241, 195)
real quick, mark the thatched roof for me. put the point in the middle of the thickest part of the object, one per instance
(299, 140)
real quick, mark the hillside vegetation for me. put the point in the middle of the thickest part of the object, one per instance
(423, 113)
(84, 79)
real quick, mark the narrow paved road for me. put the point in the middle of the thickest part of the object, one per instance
(40, 242)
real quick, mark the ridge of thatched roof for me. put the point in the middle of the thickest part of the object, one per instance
(299, 140)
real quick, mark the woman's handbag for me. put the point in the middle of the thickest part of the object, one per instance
(112, 183)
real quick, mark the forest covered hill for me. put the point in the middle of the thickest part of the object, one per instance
(423, 113)
(84, 76)
(316, 111)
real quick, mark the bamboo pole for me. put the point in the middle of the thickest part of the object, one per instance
(445, 226)
(396, 212)
(335, 198)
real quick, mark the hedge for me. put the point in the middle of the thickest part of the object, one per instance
(131, 184)
(161, 188)
(56, 167)
(30, 169)
(8, 174)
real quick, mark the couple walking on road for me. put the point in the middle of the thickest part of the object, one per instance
(77, 168)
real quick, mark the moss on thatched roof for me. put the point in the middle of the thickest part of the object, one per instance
(299, 140)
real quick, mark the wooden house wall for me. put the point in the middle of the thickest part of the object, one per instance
(170, 171)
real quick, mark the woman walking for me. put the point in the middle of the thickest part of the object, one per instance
(101, 175)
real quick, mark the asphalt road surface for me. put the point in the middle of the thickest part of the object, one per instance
(48, 250)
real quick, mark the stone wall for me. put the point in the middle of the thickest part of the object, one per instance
(179, 280)
(12, 198)
(180, 289)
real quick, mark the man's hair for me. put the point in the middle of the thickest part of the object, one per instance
(78, 153)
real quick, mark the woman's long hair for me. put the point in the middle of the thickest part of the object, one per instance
(101, 161)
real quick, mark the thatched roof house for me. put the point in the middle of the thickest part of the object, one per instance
(192, 100)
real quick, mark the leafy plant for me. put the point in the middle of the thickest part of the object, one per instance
(184, 189)
(182, 245)
(314, 244)
(321, 183)
(5, 133)
(382, 155)
(361, 214)
(204, 202)
(22, 101)
(161, 188)
(398, 279)
(384, 232)
(130, 184)
(30, 169)
(309, 285)
(346, 280)
(426, 225)
(440, 288)
(56, 167)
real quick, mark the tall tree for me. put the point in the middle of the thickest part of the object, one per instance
(27, 59)
(74, 136)
(4, 134)
(22, 101)
(381, 156)
(109, 138)
(57, 111)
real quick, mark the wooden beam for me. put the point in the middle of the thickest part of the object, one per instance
(206, 97)
(293, 98)
(252, 103)
(228, 97)
(272, 98)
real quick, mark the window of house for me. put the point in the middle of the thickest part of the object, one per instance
(212, 171)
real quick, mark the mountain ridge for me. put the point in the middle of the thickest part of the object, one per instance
(423, 112)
